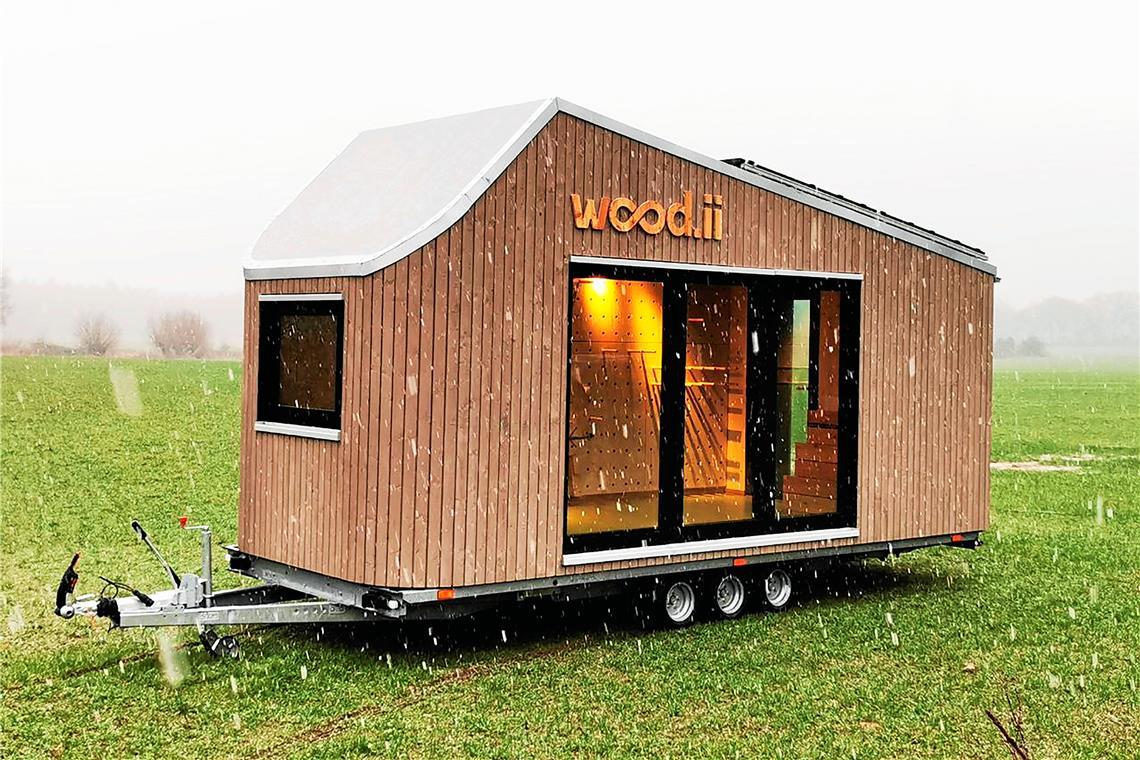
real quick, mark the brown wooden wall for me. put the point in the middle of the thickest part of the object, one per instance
(450, 467)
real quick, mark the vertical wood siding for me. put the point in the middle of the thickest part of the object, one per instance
(450, 468)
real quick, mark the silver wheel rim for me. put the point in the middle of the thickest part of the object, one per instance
(680, 601)
(729, 595)
(777, 588)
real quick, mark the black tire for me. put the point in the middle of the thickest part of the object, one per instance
(677, 603)
(727, 595)
(776, 589)
(230, 647)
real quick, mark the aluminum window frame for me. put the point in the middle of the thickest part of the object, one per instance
(277, 418)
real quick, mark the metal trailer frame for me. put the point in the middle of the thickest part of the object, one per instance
(431, 603)
(292, 595)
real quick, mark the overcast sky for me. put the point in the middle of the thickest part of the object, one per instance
(148, 144)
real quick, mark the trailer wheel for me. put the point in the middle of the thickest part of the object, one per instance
(777, 590)
(679, 604)
(230, 647)
(220, 646)
(728, 596)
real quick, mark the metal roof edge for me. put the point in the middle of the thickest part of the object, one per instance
(352, 266)
(765, 179)
(800, 192)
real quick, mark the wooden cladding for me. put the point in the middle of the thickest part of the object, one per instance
(451, 465)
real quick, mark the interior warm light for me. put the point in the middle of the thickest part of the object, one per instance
(600, 285)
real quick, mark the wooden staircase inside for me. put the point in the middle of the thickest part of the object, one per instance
(811, 490)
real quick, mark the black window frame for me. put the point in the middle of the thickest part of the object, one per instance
(764, 290)
(270, 314)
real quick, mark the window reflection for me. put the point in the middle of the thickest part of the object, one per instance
(307, 362)
(808, 401)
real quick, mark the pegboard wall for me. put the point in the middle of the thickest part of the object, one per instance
(615, 386)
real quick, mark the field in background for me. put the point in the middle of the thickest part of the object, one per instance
(894, 659)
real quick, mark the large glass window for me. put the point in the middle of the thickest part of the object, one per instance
(716, 387)
(615, 405)
(708, 404)
(299, 363)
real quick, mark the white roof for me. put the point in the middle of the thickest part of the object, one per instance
(393, 190)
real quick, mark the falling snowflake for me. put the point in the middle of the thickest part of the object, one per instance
(172, 661)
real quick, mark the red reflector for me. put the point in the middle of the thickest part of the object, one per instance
(444, 594)
(739, 562)
(957, 537)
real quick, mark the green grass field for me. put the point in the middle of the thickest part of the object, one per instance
(896, 659)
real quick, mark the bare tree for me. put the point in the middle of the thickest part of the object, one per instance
(180, 333)
(96, 334)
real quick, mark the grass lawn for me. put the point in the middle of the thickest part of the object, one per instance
(896, 659)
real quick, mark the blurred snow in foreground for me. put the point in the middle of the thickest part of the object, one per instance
(126, 388)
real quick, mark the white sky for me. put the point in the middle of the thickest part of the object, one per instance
(148, 144)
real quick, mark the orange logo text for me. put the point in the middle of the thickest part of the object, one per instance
(623, 214)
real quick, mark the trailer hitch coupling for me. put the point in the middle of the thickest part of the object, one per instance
(190, 601)
(106, 604)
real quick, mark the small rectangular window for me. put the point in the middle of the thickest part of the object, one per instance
(299, 367)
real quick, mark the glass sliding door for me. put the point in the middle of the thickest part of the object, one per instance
(808, 375)
(615, 405)
(716, 487)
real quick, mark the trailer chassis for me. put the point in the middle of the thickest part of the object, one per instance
(291, 595)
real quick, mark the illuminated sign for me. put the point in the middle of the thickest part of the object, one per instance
(623, 214)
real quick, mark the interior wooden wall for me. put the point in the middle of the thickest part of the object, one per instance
(615, 389)
(450, 470)
(715, 383)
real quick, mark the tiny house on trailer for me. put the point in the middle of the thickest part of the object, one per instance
(531, 350)
(530, 347)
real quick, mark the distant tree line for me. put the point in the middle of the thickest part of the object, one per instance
(1108, 319)
(1005, 348)
(174, 334)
